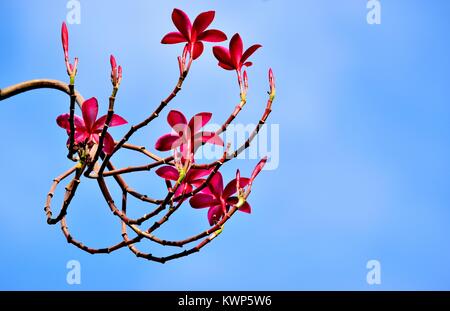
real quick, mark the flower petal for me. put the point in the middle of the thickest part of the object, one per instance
(223, 55)
(176, 120)
(236, 48)
(212, 35)
(80, 136)
(168, 142)
(244, 208)
(226, 67)
(230, 189)
(90, 111)
(182, 22)
(116, 120)
(198, 50)
(211, 138)
(198, 121)
(108, 144)
(173, 38)
(249, 52)
(202, 21)
(195, 173)
(215, 213)
(63, 121)
(182, 189)
(198, 183)
(216, 184)
(168, 173)
(202, 200)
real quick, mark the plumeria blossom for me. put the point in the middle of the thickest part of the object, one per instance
(218, 199)
(71, 68)
(187, 136)
(193, 34)
(234, 58)
(88, 128)
(193, 178)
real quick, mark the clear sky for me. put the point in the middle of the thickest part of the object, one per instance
(364, 142)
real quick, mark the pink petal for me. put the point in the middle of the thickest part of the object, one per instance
(250, 51)
(230, 189)
(168, 142)
(177, 120)
(211, 138)
(223, 55)
(116, 120)
(168, 173)
(182, 22)
(244, 208)
(196, 173)
(216, 184)
(199, 120)
(173, 37)
(108, 144)
(63, 121)
(236, 48)
(198, 50)
(202, 21)
(90, 111)
(183, 188)
(212, 35)
(80, 136)
(202, 200)
(226, 67)
(215, 213)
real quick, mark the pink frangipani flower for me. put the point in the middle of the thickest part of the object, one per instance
(187, 136)
(218, 199)
(234, 58)
(192, 179)
(88, 128)
(193, 34)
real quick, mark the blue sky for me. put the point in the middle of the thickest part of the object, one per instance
(363, 171)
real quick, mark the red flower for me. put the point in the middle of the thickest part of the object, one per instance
(193, 34)
(219, 199)
(192, 179)
(234, 58)
(88, 128)
(187, 134)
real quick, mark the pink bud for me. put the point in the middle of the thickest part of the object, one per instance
(245, 80)
(65, 40)
(120, 72)
(238, 180)
(271, 80)
(258, 168)
(75, 65)
(113, 62)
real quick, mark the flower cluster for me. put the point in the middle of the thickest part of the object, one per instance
(202, 185)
